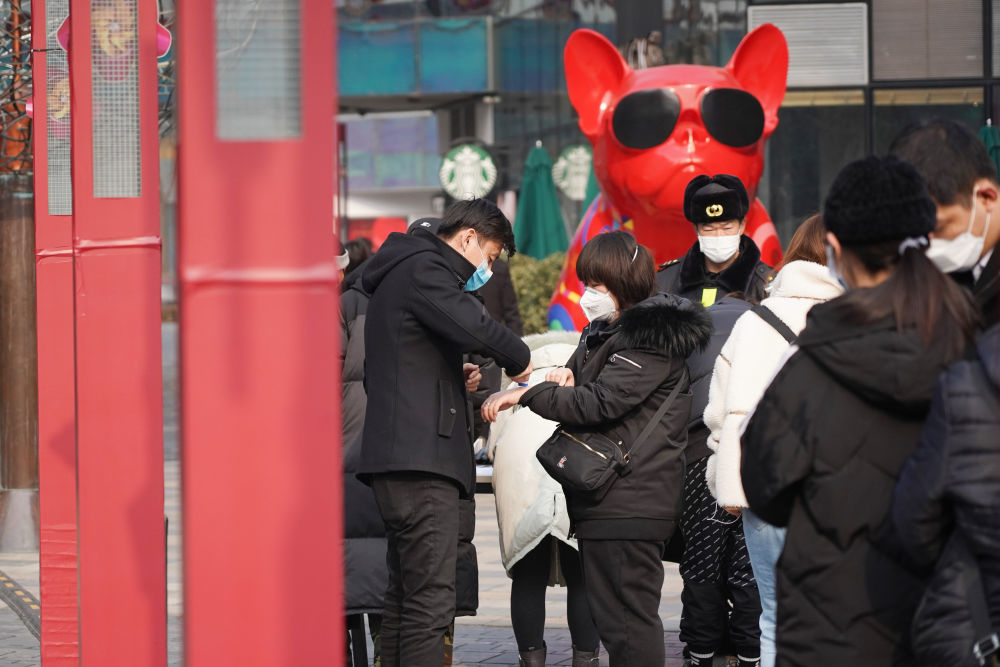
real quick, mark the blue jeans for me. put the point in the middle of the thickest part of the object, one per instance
(764, 543)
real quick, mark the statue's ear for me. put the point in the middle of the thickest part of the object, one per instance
(760, 64)
(594, 69)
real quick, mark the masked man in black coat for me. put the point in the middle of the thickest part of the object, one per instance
(723, 260)
(416, 444)
(962, 180)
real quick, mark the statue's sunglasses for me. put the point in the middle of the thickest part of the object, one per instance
(646, 118)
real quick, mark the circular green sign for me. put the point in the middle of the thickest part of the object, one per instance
(572, 170)
(468, 171)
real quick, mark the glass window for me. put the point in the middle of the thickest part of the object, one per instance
(927, 39)
(895, 109)
(702, 32)
(818, 132)
(392, 151)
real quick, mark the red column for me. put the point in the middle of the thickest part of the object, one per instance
(56, 388)
(258, 329)
(116, 248)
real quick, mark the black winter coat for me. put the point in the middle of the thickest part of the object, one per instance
(946, 507)
(419, 322)
(821, 455)
(623, 371)
(688, 277)
(365, 573)
(701, 363)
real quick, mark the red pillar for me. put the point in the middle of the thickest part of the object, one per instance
(258, 330)
(116, 248)
(56, 388)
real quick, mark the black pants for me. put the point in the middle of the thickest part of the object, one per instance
(421, 525)
(623, 580)
(716, 569)
(530, 578)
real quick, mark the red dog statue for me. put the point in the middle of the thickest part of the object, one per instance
(653, 130)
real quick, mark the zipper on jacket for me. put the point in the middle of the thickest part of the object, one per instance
(617, 356)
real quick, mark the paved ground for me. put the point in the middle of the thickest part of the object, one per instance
(485, 639)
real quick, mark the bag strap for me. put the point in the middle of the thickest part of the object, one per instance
(768, 316)
(987, 643)
(658, 415)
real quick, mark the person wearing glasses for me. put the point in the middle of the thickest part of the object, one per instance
(723, 260)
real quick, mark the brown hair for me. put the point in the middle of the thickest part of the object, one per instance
(617, 261)
(916, 294)
(808, 243)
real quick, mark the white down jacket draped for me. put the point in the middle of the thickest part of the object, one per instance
(746, 365)
(530, 504)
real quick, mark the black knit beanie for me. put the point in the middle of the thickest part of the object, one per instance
(878, 199)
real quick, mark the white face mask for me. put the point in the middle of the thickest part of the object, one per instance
(597, 305)
(962, 252)
(719, 249)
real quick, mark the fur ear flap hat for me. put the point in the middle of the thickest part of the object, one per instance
(715, 198)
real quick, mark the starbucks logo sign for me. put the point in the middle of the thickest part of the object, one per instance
(572, 170)
(468, 171)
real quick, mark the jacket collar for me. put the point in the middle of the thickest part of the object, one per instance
(733, 278)
(460, 266)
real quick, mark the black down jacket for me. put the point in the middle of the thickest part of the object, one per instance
(821, 455)
(419, 322)
(623, 371)
(701, 363)
(951, 487)
(365, 574)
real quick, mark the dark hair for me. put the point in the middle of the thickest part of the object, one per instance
(358, 251)
(948, 155)
(916, 294)
(808, 243)
(483, 216)
(607, 259)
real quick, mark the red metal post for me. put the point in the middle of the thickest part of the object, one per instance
(56, 387)
(259, 373)
(116, 247)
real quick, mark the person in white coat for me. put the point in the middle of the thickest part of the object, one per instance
(744, 369)
(534, 522)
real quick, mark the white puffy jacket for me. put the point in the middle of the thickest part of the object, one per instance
(530, 504)
(746, 365)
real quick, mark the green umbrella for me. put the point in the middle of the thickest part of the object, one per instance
(991, 137)
(538, 225)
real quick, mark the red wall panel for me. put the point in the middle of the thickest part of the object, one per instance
(118, 368)
(259, 375)
(56, 390)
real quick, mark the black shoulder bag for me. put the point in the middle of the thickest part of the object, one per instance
(590, 462)
(766, 314)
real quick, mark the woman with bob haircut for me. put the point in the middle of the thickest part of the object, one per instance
(824, 448)
(630, 358)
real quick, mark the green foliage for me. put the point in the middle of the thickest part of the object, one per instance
(535, 281)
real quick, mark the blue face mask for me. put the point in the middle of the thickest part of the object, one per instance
(482, 274)
(831, 266)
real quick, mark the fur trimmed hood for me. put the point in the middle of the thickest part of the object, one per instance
(666, 322)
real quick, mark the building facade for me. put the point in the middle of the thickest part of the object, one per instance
(419, 76)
